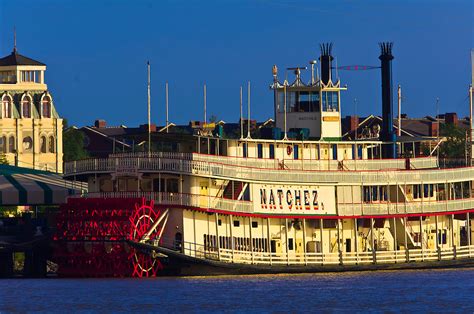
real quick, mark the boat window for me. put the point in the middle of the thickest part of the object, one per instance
(244, 150)
(295, 152)
(298, 101)
(260, 150)
(272, 151)
(254, 224)
(290, 244)
(236, 223)
(330, 101)
(172, 186)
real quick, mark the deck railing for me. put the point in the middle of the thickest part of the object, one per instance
(256, 173)
(182, 200)
(405, 208)
(333, 258)
(222, 204)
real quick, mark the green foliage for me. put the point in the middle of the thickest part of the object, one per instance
(455, 144)
(3, 159)
(73, 145)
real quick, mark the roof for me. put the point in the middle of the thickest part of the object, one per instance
(17, 59)
(23, 186)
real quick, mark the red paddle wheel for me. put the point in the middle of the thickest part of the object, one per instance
(144, 225)
(91, 236)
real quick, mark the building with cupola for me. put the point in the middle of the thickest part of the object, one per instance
(30, 126)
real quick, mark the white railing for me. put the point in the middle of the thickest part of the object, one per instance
(333, 258)
(405, 208)
(182, 199)
(237, 206)
(255, 173)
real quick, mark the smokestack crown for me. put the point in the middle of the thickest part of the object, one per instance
(326, 59)
(386, 51)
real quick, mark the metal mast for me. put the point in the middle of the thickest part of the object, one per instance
(149, 108)
(167, 120)
(399, 110)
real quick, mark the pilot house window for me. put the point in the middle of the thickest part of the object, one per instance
(298, 101)
(330, 101)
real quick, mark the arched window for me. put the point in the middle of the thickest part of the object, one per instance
(43, 144)
(51, 144)
(3, 144)
(26, 106)
(11, 144)
(6, 106)
(46, 106)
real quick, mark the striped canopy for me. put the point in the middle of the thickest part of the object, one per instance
(23, 186)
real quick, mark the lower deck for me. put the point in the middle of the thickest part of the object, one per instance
(319, 241)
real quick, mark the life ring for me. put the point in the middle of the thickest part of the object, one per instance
(289, 150)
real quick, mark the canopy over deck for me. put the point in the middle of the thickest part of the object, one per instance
(23, 186)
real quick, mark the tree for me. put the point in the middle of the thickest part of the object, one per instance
(73, 143)
(455, 144)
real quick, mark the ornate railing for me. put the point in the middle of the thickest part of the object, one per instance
(237, 206)
(334, 258)
(256, 173)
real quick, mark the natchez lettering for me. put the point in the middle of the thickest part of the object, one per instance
(297, 199)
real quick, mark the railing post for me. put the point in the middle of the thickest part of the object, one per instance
(356, 241)
(231, 222)
(321, 236)
(286, 240)
(407, 251)
(452, 237)
(468, 223)
(438, 248)
(339, 251)
(304, 241)
(217, 237)
(374, 254)
(251, 239)
(268, 240)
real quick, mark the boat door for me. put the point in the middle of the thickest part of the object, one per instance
(204, 193)
(299, 249)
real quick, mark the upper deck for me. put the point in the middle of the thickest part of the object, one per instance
(314, 172)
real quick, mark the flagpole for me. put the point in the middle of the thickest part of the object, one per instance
(167, 120)
(241, 115)
(149, 109)
(248, 103)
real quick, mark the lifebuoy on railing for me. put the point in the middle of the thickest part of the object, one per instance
(289, 150)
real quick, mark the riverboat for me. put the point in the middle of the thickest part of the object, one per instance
(297, 197)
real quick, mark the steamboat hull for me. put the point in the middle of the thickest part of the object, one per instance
(178, 264)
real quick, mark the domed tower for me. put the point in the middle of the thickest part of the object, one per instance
(30, 127)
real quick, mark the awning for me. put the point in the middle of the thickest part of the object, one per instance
(23, 186)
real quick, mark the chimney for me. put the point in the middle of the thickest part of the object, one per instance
(451, 118)
(100, 124)
(351, 123)
(434, 129)
(144, 127)
(387, 134)
(325, 60)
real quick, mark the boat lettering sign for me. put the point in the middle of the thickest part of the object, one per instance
(302, 200)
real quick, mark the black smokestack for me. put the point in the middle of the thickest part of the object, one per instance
(387, 134)
(326, 59)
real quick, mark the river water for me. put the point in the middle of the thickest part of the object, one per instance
(393, 291)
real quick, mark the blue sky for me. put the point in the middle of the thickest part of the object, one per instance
(96, 53)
